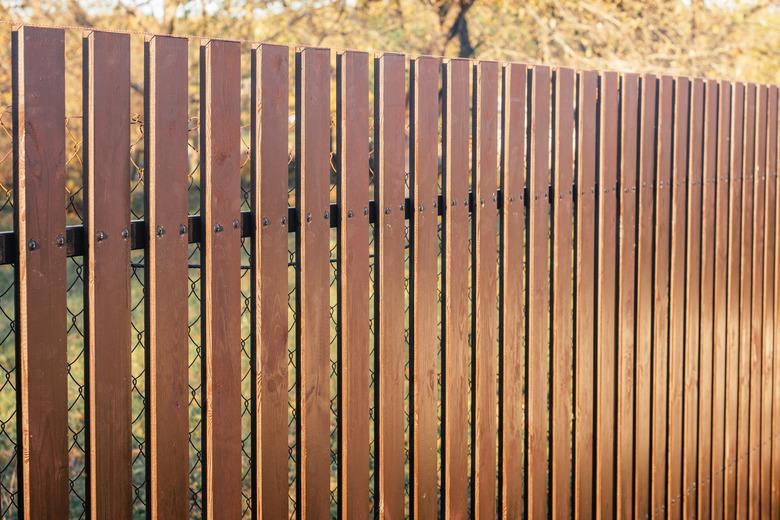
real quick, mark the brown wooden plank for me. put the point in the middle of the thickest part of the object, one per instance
(661, 277)
(708, 186)
(512, 317)
(720, 302)
(485, 289)
(424, 134)
(390, 352)
(756, 321)
(775, 442)
(679, 189)
(270, 120)
(644, 294)
(562, 305)
(629, 154)
(39, 221)
(745, 301)
(166, 282)
(538, 293)
(455, 274)
(692, 298)
(585, 329)
(606, 314)
(733, 289)
(767, 372)
(106, 128)
(352, 146)
(312, 143)
(220, 99)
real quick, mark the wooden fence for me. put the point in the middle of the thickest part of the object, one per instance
(591, 301)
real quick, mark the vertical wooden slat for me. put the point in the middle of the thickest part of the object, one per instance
(221, 275)
(746, 270)
(39, 221)
(270, 120)
(389, 296)
(485, 289)
(692, 298)
(767, 372)
(733, 289)
(585, 304)
(312, 143)
(352, 146)
(455, 467)
(538, 293)
(775, 441)
(756, 326)
(679, 189)
(644, 294)
(718, 467)
(512, 317)
(562, 308)
(709, 179)
(166, 282)
(424, 134)
(106, 130)
(629, 154)
(661, 276)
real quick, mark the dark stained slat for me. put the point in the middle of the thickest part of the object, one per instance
(455, 273)
(512, 317)
(389, 292)
(270, 116)
(166, 282)
(221, 276)
(679, 194)
(562, 305)
(484, 362)
(538, 294)
(629, 154)
(352, 146)
(721, 180)
(39, 218)
(312, 143)
(733, 289)
(424, 136)
(585, 295)
(644, 293)
(106, 129)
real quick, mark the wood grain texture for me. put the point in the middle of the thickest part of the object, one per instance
(606, 290)
(390, 352)
(679, 194)
(706, 344)
(39, 221)
(353, 272)
(745, 302)
(538, 294)
(107, 174)
(718, 467)
(562, 290)
(312, 143)
(166, 282)
(484, 361)
(661, 277)
(644, 293)
(693, 271)
(424, 135)
(269, 127)
(512, 318)
(772, 177)
(585, 296)
(767, 369)
(455, 280)
(221, 276)
(629, 162)
(733, 291)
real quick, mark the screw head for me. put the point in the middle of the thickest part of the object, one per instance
(365, 211)
(218, 228)
(350, 213)
(183, 229)
(387, 211)
(125, 233)
(284, 221)
(60, 240)
(101, 235)
(308, 217)
(326, 215)
(160, 231)
(236, 224)
(266, 221)
(32, 245)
